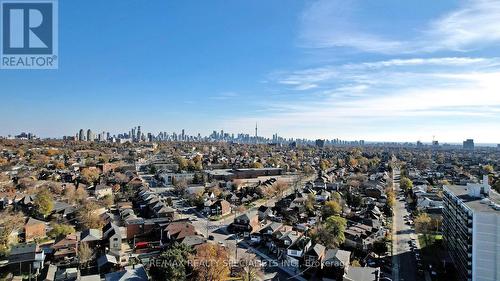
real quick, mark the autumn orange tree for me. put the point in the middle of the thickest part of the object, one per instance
(90, 176)
(211, 263)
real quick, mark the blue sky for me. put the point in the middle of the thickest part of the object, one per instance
(373, 70)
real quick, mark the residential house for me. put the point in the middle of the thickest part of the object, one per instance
(91, 236)
(178, 230)
(65, 248)
(220, 208)
(193, 240)
(25, 257)
(112, 237)
(34, 229)
(246, 223)
(267, 231)
(264, 212)
(314, 257)
(296, 251)
(335, 264)
(130, 273)
(362, 274)
(107, 262)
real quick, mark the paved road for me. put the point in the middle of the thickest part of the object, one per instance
(404, 262)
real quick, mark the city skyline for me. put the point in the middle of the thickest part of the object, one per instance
(320, 69)
(135, 134)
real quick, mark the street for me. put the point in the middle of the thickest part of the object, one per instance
(404, 262)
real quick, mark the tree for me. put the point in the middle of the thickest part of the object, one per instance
(336, 197)
(331, 208)
(44, 204)
(331, 232)
(107, 201)
(423, 224)
(391, 198)
(353, 162)
(336, 225)
(380, 247)
(406, 184)
(280, 187)
(324, 164)
(172, 264)
(496, 186)
(152, 169)
(355, 263)
(488, 169)
(308, 170)
(88, 217)
(311, 200)
(211, 263)
(85, 254)
(257, 165)
(250, 271)
(182, 162)
(180, 186)
(75, 195)
(61, 230)
(9, 221)
(354, 200)
(89, 175)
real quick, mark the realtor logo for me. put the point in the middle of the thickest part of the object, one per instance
(29, 34)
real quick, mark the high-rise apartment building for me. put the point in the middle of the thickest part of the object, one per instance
(471, 229)
(469, 144)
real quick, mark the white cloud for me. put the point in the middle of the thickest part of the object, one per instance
(356, 77)
(396, 101)
(474, 25)
(327, 24)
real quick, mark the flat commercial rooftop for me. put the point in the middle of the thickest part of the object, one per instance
(475, 203)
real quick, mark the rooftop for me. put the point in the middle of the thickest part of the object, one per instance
(480, 204)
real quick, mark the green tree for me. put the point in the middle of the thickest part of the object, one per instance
(182, 162)
(406, 184)
(331, 208)
(60, 230)
(488, 169)
(337, 226)
(172, 264)
(44, 204)
(331, 232)
(336, 196)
